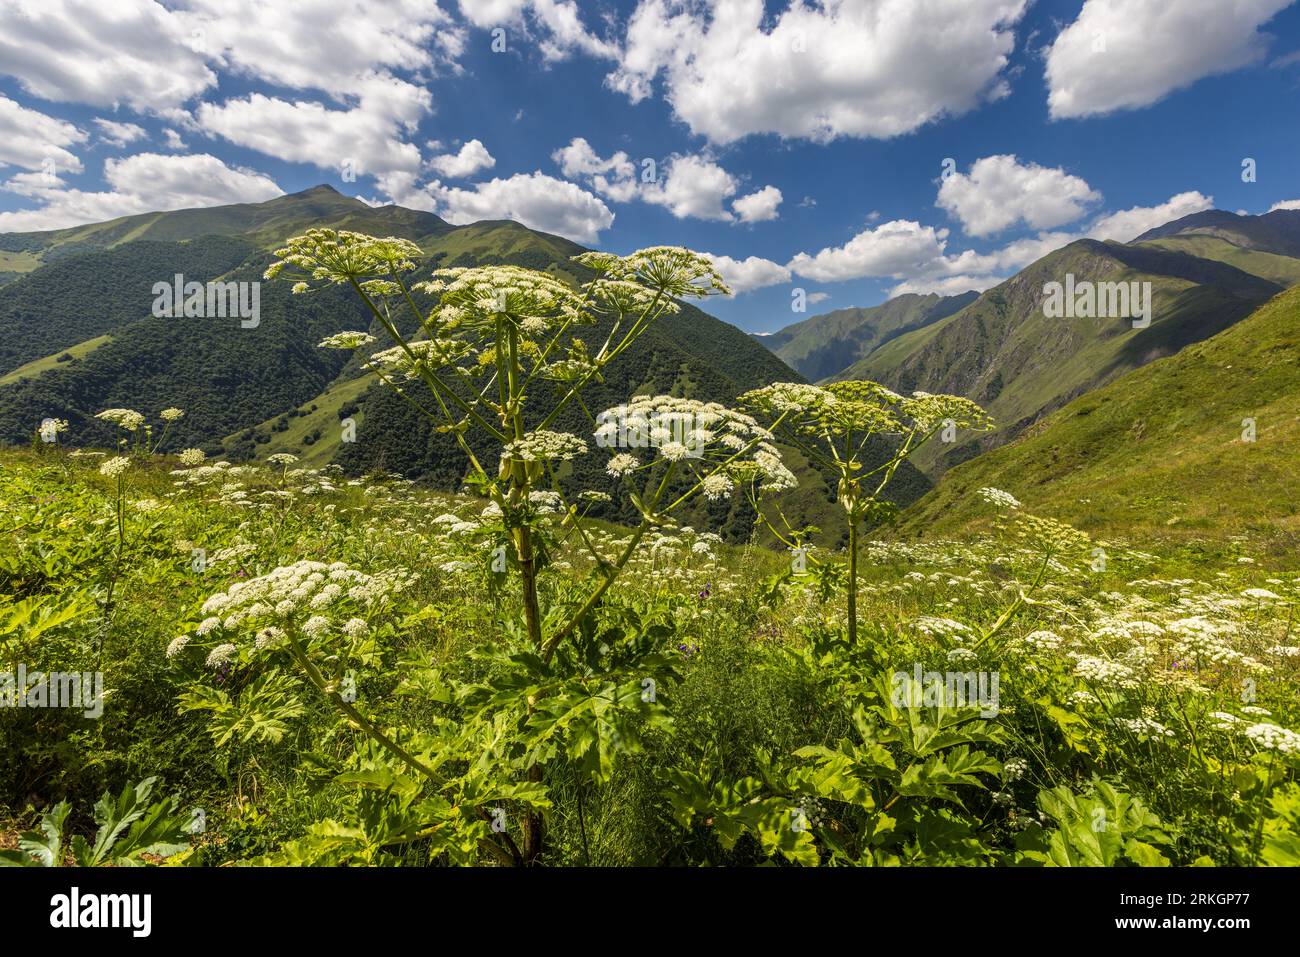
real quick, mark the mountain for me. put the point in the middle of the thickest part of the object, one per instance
(263, 224)
(1004, 351)
(79, 335)
(1163, 451)
(823, 345)
(1276, 232)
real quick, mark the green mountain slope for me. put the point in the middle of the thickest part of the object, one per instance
(264, 225)
(1276, 232)
(1160, 453)
(1005, 353)
(822, 346)
(88, 295)
(250, 392)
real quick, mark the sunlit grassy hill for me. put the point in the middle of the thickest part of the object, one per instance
(1163, 453)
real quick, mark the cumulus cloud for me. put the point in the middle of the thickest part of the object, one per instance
(877, 68)
(918, 255)
(1285, 204)
(899, 248)
(945, 285)
(534, 199)
(1000, 192)
(472, 157)
(118, 134)
(753, 272)
(758, 207)
(141, 183)
(331, 45)
(32, 140)
(1128, 224)
(135, 53)
(614, 178)
(1124, 54)
(367, 138)
(687, 185)
(692, 186)
(557, 24)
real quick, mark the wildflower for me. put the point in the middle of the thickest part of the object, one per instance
(123, 418)
(281, 458)
(1271, 737)
(346, 340)
(268, 637)
(668, 270)
(995, 496)
(171, 415)
(222, 654)
(177, 645)
(622, 464)
(317, 626)
(192, 457)
(329, 256)
(115, 466)
(542, 445)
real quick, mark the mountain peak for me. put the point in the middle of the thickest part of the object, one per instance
(320, 189)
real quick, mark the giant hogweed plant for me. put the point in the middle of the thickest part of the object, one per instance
(842, 428)
(572, 682)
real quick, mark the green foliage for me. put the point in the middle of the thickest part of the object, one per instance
(131, 829)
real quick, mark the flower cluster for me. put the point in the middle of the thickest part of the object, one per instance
(126, 419)
(668, 270)
(706, 436)
(326, 256)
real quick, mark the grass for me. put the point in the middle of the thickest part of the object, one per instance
(1159, 454)
(34, 368)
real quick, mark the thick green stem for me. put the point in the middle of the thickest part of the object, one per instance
(853, 581)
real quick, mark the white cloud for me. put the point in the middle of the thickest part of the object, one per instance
(156, 58)
(1128, 224)
(472, 157)
(692, 186)
(687, 185)
(918, 256)
(558, 22)
(330, 45)
(816, 297)
(534, 199)
(34, 141)
(945, 286)
(758, 207)
(131, 52)
(614, 178)
(1000, 191)
(141, 183)
(174, 141)
(118, 134)
(370, 137)
(1285, 204)
(1124, 54)
(899, 248)
(870, 68)
(745, 275)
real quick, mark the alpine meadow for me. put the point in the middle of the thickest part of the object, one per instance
(649, 434)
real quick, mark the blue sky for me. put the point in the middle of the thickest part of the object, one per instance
(804, 144)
